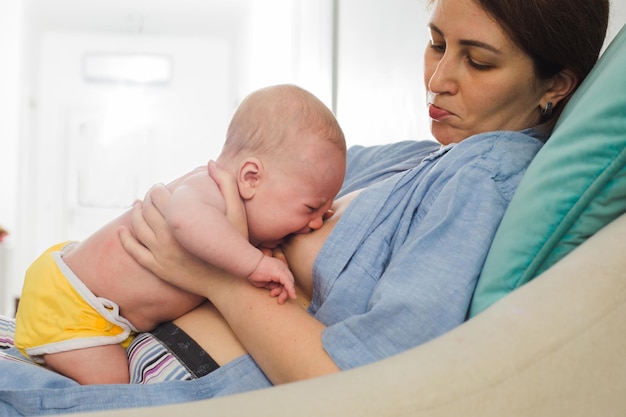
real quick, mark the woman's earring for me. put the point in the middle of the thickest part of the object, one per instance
(547, 111)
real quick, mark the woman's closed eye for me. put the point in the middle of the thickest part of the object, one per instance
(477, 65)
(438, 47)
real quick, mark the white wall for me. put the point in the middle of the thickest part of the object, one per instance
(11, 13)
(289, 41)
(381, 96)
(164, 130)
(617, 18)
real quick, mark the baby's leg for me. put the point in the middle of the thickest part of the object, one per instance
(106, 364)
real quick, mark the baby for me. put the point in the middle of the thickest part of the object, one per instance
(83, 302)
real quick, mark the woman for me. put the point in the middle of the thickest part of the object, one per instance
(399, 266)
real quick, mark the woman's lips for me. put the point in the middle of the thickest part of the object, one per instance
(437, 113)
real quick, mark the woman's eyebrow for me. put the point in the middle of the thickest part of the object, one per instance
(434, 28)
(467, 42)
(483, 45)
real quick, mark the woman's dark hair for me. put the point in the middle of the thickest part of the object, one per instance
(556, 34)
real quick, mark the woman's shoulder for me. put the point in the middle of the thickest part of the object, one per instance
(501, 140)
(368, 165)
(501, 157)
(395, 156)
(396, 149)
(503, 151)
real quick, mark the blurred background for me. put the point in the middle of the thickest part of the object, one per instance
(102, 98)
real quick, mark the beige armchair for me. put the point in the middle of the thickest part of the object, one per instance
(555, 347)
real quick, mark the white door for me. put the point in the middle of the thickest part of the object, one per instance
(101, 144)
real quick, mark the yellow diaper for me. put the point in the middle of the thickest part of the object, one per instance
(57, 312)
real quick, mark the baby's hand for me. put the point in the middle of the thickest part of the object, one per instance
(273, 274)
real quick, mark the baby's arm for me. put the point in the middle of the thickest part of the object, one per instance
(196, 213)
(275, 275)
(270, 273)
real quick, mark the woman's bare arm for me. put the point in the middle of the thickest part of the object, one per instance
(284, 340)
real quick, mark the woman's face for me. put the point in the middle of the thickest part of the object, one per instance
(477, 80)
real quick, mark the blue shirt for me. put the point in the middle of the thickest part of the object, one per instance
(401, 265)
(399, 269)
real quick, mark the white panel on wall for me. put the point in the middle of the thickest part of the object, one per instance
(381, 96)
(114, 140)
(289, 41)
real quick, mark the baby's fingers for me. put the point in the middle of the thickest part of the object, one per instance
(280, 293)
(290, 290)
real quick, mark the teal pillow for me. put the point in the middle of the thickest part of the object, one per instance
(575, 185)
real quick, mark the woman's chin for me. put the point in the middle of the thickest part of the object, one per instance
(445, 134)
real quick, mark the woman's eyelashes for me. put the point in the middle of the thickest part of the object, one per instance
(478, 66)
(440, 48)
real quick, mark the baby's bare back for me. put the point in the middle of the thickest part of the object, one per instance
(108, 271)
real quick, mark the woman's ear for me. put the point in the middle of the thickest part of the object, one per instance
(563, 84)
(248, 177)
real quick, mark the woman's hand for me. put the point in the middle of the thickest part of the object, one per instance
(154, 247)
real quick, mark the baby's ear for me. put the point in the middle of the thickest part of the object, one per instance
(248, 177)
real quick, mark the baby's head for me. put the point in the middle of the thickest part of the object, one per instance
(269, 121)
(288, 153)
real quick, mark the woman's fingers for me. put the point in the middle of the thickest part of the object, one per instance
(140, 228)
(130, 242)
(159, 196)
(154, 207)
(150, 236)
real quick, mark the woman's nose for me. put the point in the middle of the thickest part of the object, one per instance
(443, 78)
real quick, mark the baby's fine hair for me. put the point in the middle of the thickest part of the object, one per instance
(274, 118)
